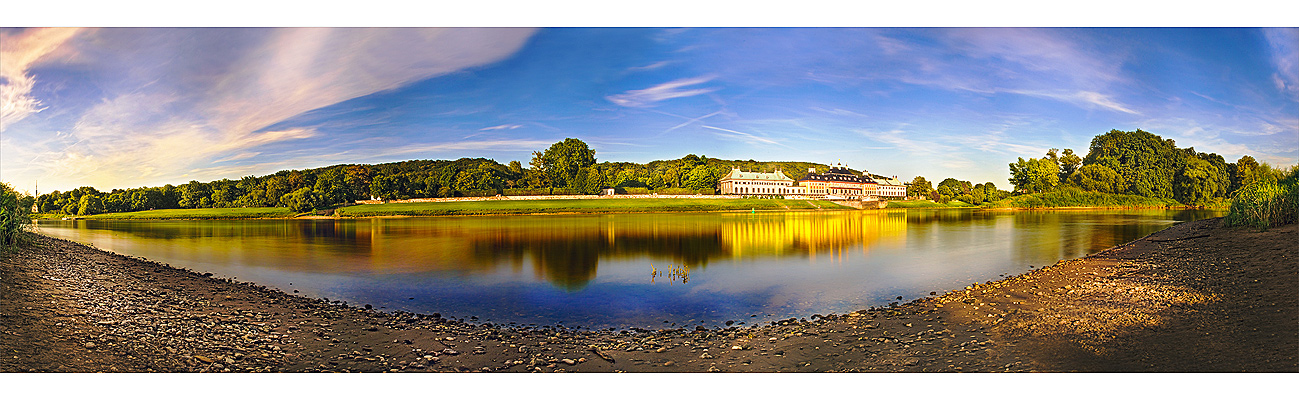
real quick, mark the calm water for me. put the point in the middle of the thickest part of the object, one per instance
(595, 270)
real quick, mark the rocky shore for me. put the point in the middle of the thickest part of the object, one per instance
(1194, 297)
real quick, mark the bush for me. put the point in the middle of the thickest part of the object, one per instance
(14, 215)
(1074, 197)
(1266, 203)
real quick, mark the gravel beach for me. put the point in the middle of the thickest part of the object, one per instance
(1194, 297)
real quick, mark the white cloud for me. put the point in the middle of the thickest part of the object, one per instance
(1082, 98)
(749, 137)
(502, 127)
(670, 90)
(188, 109)
(17, 54)
(1284, 43)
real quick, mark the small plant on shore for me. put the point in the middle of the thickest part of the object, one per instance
(14, 215)
(1271, 200)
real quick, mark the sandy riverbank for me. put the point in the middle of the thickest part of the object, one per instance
(1194, 297)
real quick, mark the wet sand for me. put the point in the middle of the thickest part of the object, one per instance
(1194, 297)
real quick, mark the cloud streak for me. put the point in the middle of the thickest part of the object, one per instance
(1284, 43)
(188, 109)
(18, 51)
(670, 90)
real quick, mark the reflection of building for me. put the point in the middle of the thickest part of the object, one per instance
(810, 233)
(838, 183)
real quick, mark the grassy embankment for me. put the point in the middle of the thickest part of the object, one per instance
(498, 207)
(1081, 198)
(200, 213)
(927, 204)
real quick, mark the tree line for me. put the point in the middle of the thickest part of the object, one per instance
(952, 189)
(1136, 163)
(566, 167)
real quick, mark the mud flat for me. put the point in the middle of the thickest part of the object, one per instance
(1194, 297)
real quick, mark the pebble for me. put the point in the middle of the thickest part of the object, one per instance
(568, 361)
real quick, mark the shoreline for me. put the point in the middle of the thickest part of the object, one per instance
(338, 217)
(1154, 304)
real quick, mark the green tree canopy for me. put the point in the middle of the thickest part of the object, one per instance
(1098, 178)
(561, 161)
(1146, 161)
(1034, 175)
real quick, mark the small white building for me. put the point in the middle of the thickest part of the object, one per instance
(891, 187)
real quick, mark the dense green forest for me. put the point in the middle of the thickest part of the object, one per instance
(1136, 163)
(566, 167)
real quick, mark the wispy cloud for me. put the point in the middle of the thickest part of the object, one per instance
(650, 67)
(220, 105)
(1284, 43)
(1083, 98)
(502, 127)
(18, 51)
(670, 90)
(749, 137)
(902, 140)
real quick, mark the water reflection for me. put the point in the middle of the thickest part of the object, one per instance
(591, 268)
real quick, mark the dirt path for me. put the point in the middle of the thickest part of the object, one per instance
(1195, 297)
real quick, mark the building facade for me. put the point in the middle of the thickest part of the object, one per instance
(892, 188)
(747, 183)
(837, 183)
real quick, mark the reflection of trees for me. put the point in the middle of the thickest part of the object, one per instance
(569, 258)
(568, 255)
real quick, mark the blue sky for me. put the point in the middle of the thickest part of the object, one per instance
(116, 108)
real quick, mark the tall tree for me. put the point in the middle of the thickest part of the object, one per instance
(1242, 172)
(919, 187)
(562, 161)
(1034, 175)
(1069, 162)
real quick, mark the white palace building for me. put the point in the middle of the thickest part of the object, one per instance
(838, 183)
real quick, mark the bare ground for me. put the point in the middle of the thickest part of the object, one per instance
(1194, 297)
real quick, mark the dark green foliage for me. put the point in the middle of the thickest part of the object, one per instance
(1098, 178)
(1241, 172)
(1196, 183)
(1034, 175)
(1146, 161)
(303, 200)
(90, 204)
(919, 187)
(1074, 197)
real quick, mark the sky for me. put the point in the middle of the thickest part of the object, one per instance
(130, 107)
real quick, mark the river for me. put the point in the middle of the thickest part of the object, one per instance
(597, 271)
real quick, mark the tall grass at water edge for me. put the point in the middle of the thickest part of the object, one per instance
(14, 219)
(1267, 202)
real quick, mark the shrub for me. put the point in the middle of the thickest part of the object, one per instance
(1266, 203)
(14, 215)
